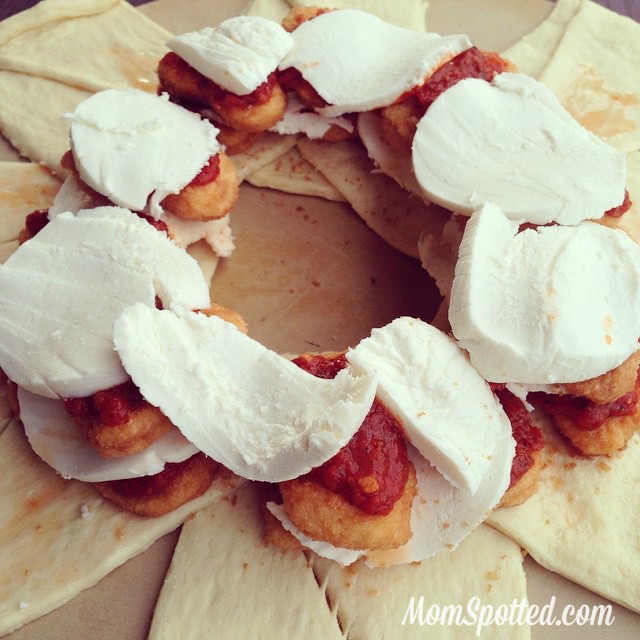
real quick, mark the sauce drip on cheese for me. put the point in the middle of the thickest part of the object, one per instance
(371, 471)
(208, 173)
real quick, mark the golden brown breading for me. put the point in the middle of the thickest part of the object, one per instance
(522, 490)
(609, 386)
(208, 201)
(399, 123)
(158, 494)
(235, 141)
(327, 516)
(612, 436)
(274, 533)
(144, 426)
(298, 15)
(226, 314)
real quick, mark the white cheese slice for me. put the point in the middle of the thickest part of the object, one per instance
(511, 142)
(56, 439)
(358, 62)
(216, 233)
(129, 145)
(247, 407)
(446, 409)
(61, 291)
(238, 55)
(390, 161)
(298, 118)
(552, 305)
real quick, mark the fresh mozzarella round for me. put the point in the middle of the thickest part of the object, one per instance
(299, 119)
(358, 62)
(510, 142)
(238, 55)
(255, 412)
(390, 161)
(551, 305)
(446, 409)
(129, 145)
(56, 439)
(61, 291)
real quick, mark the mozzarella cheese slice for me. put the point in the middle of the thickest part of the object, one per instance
(552, 305)
(61, 291)
(510, 142)
(250, 409)
(390, 161)
(358, 62)
(56, 439)
(129, 145)
(238, 55)
(445, 407)
(298, 118)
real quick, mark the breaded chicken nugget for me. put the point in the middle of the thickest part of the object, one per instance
(163, 492)
(526, 486)
(207, 199)
(324, 515)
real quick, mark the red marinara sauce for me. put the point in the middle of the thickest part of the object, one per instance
(585, 414)
(208, 173)
(110, 407)
(371, 471)
(621, 209)
(529, 438)
(471, 63)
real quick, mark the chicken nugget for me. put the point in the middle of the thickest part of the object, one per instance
(324, 515)
(155, 495)
(526, 486)
(205, 198)
(118, 421)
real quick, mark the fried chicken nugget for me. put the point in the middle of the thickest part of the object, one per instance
(526, 486)
(208, 201)
(255, 112)
(612, 436)
(324, 515)
(156, 495)
(118, 421)
(298, 15)
(610, 385)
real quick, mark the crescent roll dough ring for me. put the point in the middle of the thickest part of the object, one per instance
(324, 515)
(208, 201)
(164, 492)
(256, 112)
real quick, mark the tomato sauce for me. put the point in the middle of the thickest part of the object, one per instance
(208, 173)
(471, 63)
(110, 407)
(529, 438)
(371, 471)
(585, 414)
(36, 221)
(618, 211)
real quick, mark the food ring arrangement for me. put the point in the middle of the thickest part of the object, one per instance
(131, 383)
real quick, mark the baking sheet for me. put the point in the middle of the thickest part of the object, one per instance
(308, 275)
